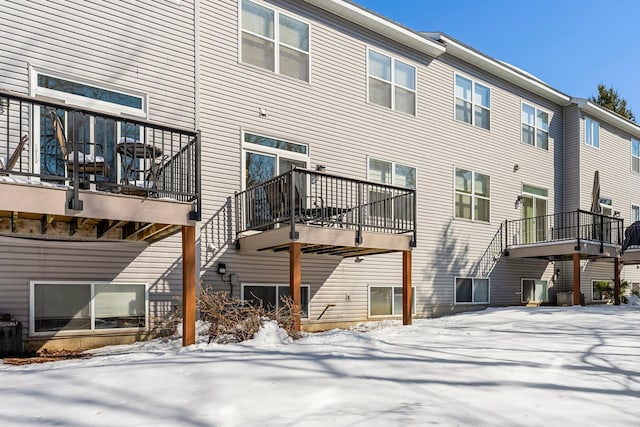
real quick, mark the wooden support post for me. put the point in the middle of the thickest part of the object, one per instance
(188, 285)
(576, 279)
(295, 278)
(616, 280)
(406, 287)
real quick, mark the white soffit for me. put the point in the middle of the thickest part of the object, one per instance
(380, 25)
(507, 72)
(607, 116)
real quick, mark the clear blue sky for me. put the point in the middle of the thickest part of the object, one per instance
(571, 45)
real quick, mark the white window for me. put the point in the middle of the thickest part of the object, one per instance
(535, 127)
(473, 102)
(635, 155)
(606, 206)
(601, 290)
(591, 132)
(635, 213)
(471, 290)
(275, 41)
(270, 296)
(84, 306)
(266, 157)
(534, 290)
(387, 300)
(392, 83)
(472, 195)
(381, 201)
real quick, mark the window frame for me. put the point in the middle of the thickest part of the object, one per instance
(595, 125)
(637, 158)
(637, 208)
(522, 279)
(276, 40)
(472, 195)
(92, 330)
(393, 287)
(593, 282)
(393, 172)
(393, 83)
(473, 284)
(278, 285)
(473, 101)
(535, 125)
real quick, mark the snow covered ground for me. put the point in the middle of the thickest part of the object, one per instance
(499, 367)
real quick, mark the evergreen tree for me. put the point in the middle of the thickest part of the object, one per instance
(609, 99)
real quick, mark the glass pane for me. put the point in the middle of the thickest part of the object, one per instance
(463, 180)
(304, 301)
(527, 223)
(380, 301)
(635, 164)
(528, 115)
(528, 288)
(635, 213)
(482, 207)
(482, 117)
(405, 75)
(259, 168)
(541, 291)
(528, 134)
(257, 51)
(482, 95)
(543, 139)
(635, 148)
(405, 101)
(379, 92)
(87, 91)
(397, 300)
(463, 88)
(294, 33)
(119, 306)
(60, 307)
(463, 206)
(542, 120)
(379, 66)
(482, 185)
(481, 290)
(405, 177)
(275, 143)
(463, 290)
(257, 19)
(260, 295)
(380, 171)
(105, 141)
(294, 63)
(51, 157)
(463, 111)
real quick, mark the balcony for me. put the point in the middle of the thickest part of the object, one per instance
(72, 173)
(326, 214)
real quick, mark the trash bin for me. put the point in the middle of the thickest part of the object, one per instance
(565, 298)
(582, 303)
(10, 336)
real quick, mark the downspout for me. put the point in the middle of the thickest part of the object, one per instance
(196, 115)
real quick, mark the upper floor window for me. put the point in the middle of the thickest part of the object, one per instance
(535, 127)
(472, 195)
(591, 132)
(473, 102)
(392, 83)
(635, 156)
(391, 173)
(275, 41)
(635, 213)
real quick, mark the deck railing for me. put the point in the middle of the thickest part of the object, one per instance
(96, 151)
(302, 196)
(575, 225)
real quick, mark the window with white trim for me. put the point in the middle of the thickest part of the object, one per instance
(473, 102)
(270, 296)
(87, 306)
(635, 213)
(387, 300)
(381, 203)
(471, 290)
(534, 290)
(392, 83)
(601, 290)
(535, 126)
(472, 195)
(635, 155)
(591, 132)
(274, 41)
(606, 206)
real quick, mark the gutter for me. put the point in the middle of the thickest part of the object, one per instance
(607, 116)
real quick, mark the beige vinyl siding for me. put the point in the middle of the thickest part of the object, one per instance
(146, 47)
(572, 149)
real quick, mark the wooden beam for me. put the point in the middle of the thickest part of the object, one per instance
(131, 230)
(106, 226)
(188, 285)
(616, 280)
(406, 287)
(45, 223)
(152, 231)
(76, 224)
(576, 279)
(14, 222)
(295, 279)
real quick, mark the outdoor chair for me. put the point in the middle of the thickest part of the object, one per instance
(13, 160)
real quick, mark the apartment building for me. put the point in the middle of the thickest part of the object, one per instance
(368, 170)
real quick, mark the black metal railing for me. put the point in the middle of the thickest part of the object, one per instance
(576, 225)
(491, 255)
(53, 143)
(302, 196)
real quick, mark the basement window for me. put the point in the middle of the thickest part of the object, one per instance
(387, 301)
(270, 296)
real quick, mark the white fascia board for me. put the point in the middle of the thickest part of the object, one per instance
(607, 116)
(380, 25)
(498, 69)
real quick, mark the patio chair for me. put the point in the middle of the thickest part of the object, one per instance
(13, 160)
(88, 164)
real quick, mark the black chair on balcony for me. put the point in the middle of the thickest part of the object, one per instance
(88, 164)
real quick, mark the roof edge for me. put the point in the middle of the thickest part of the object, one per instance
(607, 116)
